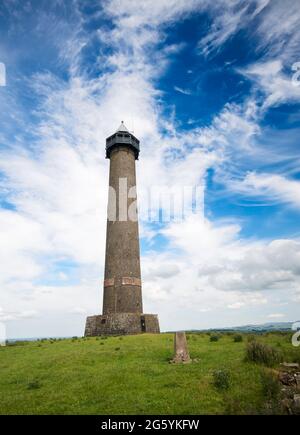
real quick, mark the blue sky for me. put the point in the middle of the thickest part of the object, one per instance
(212, 90)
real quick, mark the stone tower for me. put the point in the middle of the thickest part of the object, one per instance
(122, 294)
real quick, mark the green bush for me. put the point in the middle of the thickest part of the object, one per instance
(33, 385)
(214, 338)
(262, 354)
(238, 338)
(221, 379)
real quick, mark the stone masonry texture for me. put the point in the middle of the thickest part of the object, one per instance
(122, 258)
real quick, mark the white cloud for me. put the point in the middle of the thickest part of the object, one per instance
(278, 30)
(277, 87)
(236, 305)
(6, 316)
(273, 25)
(235, 15)
(2, 74)
(276, 316)
(183, 91)
(133, 13)
(219, 271)
(271, 187)
(78, 310)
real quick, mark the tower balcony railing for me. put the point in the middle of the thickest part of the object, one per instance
(122, 139)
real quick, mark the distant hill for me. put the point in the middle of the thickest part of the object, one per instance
(277, 326)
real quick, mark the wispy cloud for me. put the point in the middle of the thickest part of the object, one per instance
(271, 187)
(277, 87)
(183, 91)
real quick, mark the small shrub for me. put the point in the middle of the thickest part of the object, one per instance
(296, 359)
(221, 379)
(117, 348)
(238, 338)
(214, 338)
(251, 338)
(262, 354)
(33, 385)
(270, 385)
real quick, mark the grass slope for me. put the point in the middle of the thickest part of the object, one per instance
(129, 375)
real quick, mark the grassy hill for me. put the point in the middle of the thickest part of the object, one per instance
(131, 375)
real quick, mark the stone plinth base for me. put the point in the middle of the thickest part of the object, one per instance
(121, 324)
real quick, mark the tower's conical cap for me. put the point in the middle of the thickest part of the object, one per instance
(123, 128)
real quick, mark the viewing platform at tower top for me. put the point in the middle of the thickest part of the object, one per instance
(122, 137)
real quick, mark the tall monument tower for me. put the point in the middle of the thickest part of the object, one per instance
(122, 294)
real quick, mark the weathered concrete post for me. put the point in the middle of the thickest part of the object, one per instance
(122, 295)
(180, 349)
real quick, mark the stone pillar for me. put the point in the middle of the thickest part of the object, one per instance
(180, 349)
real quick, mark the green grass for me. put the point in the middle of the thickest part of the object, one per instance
(131, 376)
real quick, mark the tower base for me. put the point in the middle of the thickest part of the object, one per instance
(121, 324)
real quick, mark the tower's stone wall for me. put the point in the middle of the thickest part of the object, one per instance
(122, 293)
(122, 281)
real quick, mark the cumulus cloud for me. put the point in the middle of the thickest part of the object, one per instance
(218, 270)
